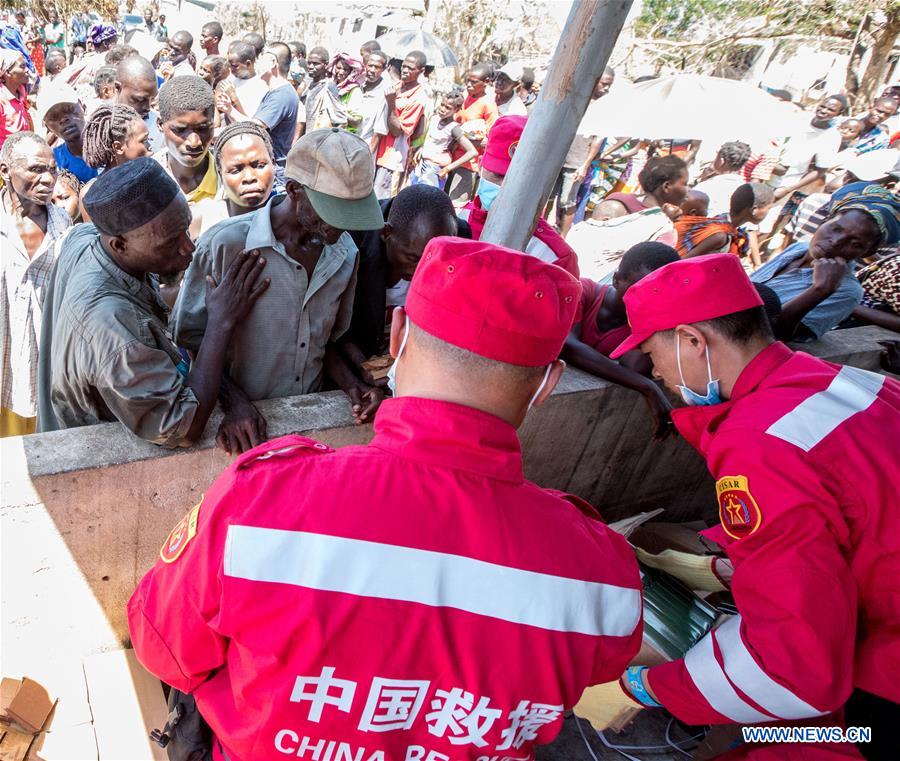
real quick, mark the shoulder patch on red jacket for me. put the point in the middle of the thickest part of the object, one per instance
(178, 538)
(284, 447)
(738, 511)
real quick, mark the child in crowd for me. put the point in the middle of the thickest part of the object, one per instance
(66, 192)
(65, 119)
(700, 234)
(214, 69)
(104, 89)
(604, 325)
(696, 204)
(434, 160)
(850, 130)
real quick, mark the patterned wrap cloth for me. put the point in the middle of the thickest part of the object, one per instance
(101, 33)
(876, 201)
(693, 230)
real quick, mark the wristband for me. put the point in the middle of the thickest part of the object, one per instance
(634, 676)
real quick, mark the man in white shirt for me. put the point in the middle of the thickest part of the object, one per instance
(506, 86)
(245, 89)
(179, 53)
(377, 89)
(806, 156)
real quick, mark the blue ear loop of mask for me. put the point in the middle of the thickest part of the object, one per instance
(692, 398)
(487, 192)
(392, 372)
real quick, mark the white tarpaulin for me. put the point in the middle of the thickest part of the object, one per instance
(693, 107)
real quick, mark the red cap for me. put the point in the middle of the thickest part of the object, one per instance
(493, 301)
(501, 144)
(684, 292)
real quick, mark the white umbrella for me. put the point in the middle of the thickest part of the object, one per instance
(693, 107)
(399, 43)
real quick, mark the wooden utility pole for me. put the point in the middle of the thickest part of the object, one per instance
(581, 55)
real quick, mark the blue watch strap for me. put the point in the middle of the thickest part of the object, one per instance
(634, 675)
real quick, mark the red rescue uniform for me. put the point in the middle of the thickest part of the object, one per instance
(415, 598)
(545, 243)
(805, 457)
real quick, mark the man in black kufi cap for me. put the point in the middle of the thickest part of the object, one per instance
(106, 353)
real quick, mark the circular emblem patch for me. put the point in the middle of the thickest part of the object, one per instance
(512, 148)
(184, 531)
(738, 511)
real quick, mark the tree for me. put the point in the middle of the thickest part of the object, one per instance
(65, 8)
(885, 37)
(708, 33)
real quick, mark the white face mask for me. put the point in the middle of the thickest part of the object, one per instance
(541, 387)
(392, 372)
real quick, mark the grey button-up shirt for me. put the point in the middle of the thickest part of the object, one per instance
(105, 351)
(279, 348)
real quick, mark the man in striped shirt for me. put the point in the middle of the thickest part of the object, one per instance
(30, 231)
(804, 453)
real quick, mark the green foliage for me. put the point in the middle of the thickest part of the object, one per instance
(838, 18)
(672, 18)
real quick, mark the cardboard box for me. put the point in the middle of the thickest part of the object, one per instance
(14, 745)
(8, 689)
(30, 706)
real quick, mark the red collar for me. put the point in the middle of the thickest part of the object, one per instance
(450, 436)
(759, 368)
(698, 424)
(543, 231)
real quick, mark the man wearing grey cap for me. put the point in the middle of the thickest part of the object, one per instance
(285, 347)
(106, 353)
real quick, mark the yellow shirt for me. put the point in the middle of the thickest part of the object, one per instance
(209, 185)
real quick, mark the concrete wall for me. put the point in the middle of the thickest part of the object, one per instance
(85, 511)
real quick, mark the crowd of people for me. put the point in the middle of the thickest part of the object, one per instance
(191, 225)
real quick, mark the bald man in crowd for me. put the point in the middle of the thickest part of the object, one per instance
(136, 86)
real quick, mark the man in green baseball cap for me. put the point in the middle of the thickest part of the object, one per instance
(285, 346)
(336, 170)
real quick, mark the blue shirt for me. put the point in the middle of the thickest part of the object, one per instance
(278, 111)
(788, 285)
(65, 159)
(80, 28)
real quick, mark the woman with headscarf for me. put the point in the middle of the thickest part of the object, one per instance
(349, 74)
(815, 280)
(14, 116)
(82, 71)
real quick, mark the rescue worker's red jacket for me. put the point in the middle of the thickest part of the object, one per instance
(546, 244)
(415, 598)
(805, 457)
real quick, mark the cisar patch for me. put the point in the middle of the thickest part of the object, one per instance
(738, 511)
(184, 531)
